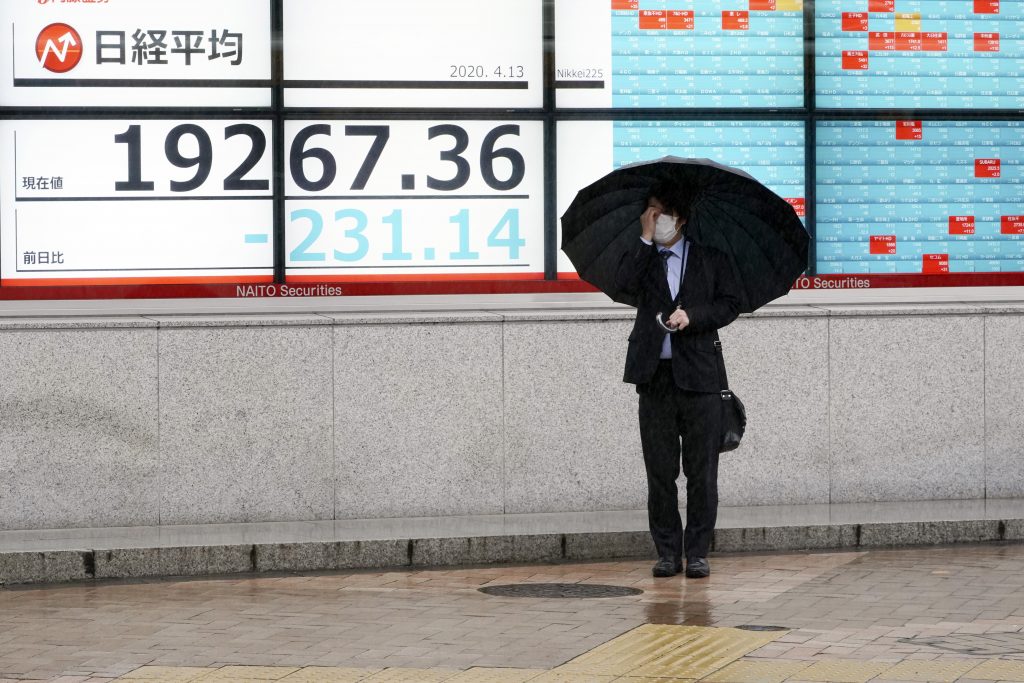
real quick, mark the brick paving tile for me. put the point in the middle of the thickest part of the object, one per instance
(838, 605)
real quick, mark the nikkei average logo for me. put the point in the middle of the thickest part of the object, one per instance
(59, 48)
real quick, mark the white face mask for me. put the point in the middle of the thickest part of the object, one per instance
(665, 228)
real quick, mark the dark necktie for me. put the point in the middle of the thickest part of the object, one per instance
(666, 254)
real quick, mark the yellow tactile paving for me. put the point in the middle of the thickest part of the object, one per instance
(842, 671)
(168, 674)
(484, 675)
(329, 674)
(998, 670)
(743, 671)
(937, 671)
(230, 674)
(572, 677)
(404, 675)
(631, 650)
(710, 651)
(758, 671)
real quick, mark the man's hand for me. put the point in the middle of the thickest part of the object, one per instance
(678, 320)
(647, 220)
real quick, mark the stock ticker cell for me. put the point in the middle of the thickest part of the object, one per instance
(931, 197)
(936, 54)
(660, 54)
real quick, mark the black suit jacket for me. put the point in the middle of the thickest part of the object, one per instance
(710, 296)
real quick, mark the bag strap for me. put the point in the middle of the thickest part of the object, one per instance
(722, 376)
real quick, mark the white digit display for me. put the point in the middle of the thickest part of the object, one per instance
(123, 200)
(414, 200)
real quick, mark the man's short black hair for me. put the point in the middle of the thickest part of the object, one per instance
(675, 197)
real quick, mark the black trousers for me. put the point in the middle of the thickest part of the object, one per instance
(677, 425)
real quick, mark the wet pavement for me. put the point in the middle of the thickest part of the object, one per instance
(922, 614)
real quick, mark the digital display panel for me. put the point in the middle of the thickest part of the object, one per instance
(919, 53)
(412, 53)
(414, 200)
(139, 53)
(920, 197)
(135, 201)
(667, 53)
(770, 151)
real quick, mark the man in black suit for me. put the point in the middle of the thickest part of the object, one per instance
(676, 374)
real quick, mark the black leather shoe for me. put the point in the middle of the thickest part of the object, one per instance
(698, 568)
(667, 567)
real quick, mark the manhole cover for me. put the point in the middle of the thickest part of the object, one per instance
(759, 627)
(559, 590)
(989, 644)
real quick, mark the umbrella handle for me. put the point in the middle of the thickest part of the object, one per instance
(662, 325)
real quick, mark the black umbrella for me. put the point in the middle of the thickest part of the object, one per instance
(732, 212)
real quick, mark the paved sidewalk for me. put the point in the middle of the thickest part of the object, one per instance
(922, 614)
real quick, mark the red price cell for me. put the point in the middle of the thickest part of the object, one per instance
(855, 21)
(932, 264)
(763, 5)
(909, 130)
(653, 19)
(1011, 225)
(986, 168)
(735, 20)
(909, 41)
(680, 20)
(855, 60)
(625, 4)
(881, 5)
(883, 244)
(881, 40)
(935, 42)
(986, 42)
(961, 225)
(799, 205)
(986, 6)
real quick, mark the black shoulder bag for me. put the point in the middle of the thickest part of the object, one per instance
(734, 415)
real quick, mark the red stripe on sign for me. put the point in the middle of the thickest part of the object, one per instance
(881, 5)
(762, 5)
(986, 6)
(416, 277)
(568, 283)
(129, 281)
(625, 4)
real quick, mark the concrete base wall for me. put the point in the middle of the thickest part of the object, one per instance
(141, 420)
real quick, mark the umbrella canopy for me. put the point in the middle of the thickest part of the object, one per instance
(731, 212)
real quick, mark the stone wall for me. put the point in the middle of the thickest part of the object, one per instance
(161, 420)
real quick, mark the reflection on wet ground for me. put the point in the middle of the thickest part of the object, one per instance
(953, 607)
